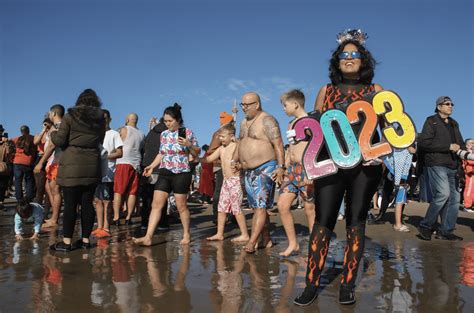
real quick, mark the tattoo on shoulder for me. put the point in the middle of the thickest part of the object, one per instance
(271, 127)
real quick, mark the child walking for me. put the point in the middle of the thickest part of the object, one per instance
(295, 182)
(231, 195)
(398, 164)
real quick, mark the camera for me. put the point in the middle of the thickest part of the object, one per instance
(465, 155)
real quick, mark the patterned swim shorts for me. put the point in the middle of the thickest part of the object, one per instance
(231, 195)
(260, 186)
(52, 171)
(294, 183)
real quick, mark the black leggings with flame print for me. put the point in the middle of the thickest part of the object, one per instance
(358, 185)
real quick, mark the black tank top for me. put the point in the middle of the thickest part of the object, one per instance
(340, 97)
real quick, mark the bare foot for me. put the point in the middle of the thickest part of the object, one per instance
(49, 223)
(143, 241)
(215, 238)
(186, 240)
(241, 238)
(250, 248)
(290, 250)
(268, 244)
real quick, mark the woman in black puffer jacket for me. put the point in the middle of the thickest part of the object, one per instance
(79, 136)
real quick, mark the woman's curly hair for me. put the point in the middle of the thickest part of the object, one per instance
(366, 72)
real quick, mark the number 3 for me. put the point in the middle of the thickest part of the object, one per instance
(395, 115)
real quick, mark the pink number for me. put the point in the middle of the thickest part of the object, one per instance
(369, 151)
(312, 168)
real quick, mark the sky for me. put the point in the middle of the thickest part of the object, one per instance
(142, 56)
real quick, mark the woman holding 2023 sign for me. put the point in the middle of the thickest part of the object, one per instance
(351, 73)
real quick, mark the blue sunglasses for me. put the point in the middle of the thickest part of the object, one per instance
(345, 55)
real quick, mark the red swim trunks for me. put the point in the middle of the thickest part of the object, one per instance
(125, 179)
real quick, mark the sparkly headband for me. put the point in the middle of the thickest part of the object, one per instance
(352, 34)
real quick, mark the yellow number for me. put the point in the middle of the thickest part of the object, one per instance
(396, 114)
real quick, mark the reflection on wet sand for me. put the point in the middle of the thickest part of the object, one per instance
(227, 282)
(401, 274)
(396, 283)
(141, 280)
(467, 265)
(439, 291)
(284, 302)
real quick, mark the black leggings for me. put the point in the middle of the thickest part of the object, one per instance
(3, 186)
(74, 196)
(359, 184)
(387, 195)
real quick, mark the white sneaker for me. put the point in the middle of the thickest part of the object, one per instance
(404, 228)
(468, 210)
(340, 217)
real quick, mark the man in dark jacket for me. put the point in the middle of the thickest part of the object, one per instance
(439, 141)
(151, 149)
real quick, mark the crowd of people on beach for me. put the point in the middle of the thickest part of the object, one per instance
(77, 160)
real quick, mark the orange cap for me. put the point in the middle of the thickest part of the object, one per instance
(225, 118)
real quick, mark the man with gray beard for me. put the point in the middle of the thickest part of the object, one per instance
(261, 155)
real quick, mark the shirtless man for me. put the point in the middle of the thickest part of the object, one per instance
(260, 153)
(295, 181)
(231, 195)
(50, 158)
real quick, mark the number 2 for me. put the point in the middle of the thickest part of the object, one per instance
(369, 151)
(313, 168)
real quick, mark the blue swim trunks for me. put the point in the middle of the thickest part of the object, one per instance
(259, 186)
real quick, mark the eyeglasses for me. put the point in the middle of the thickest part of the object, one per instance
(246, 105)
(447, 104)
(345, 55)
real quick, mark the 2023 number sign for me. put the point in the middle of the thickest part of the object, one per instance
(385, 103)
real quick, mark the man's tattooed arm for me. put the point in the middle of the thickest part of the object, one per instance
(271, 128)
(272, 131)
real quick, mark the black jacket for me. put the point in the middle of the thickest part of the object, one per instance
(434, 142)
(80, 133)
(152, 145)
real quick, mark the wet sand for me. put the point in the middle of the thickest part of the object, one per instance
(399, 272)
